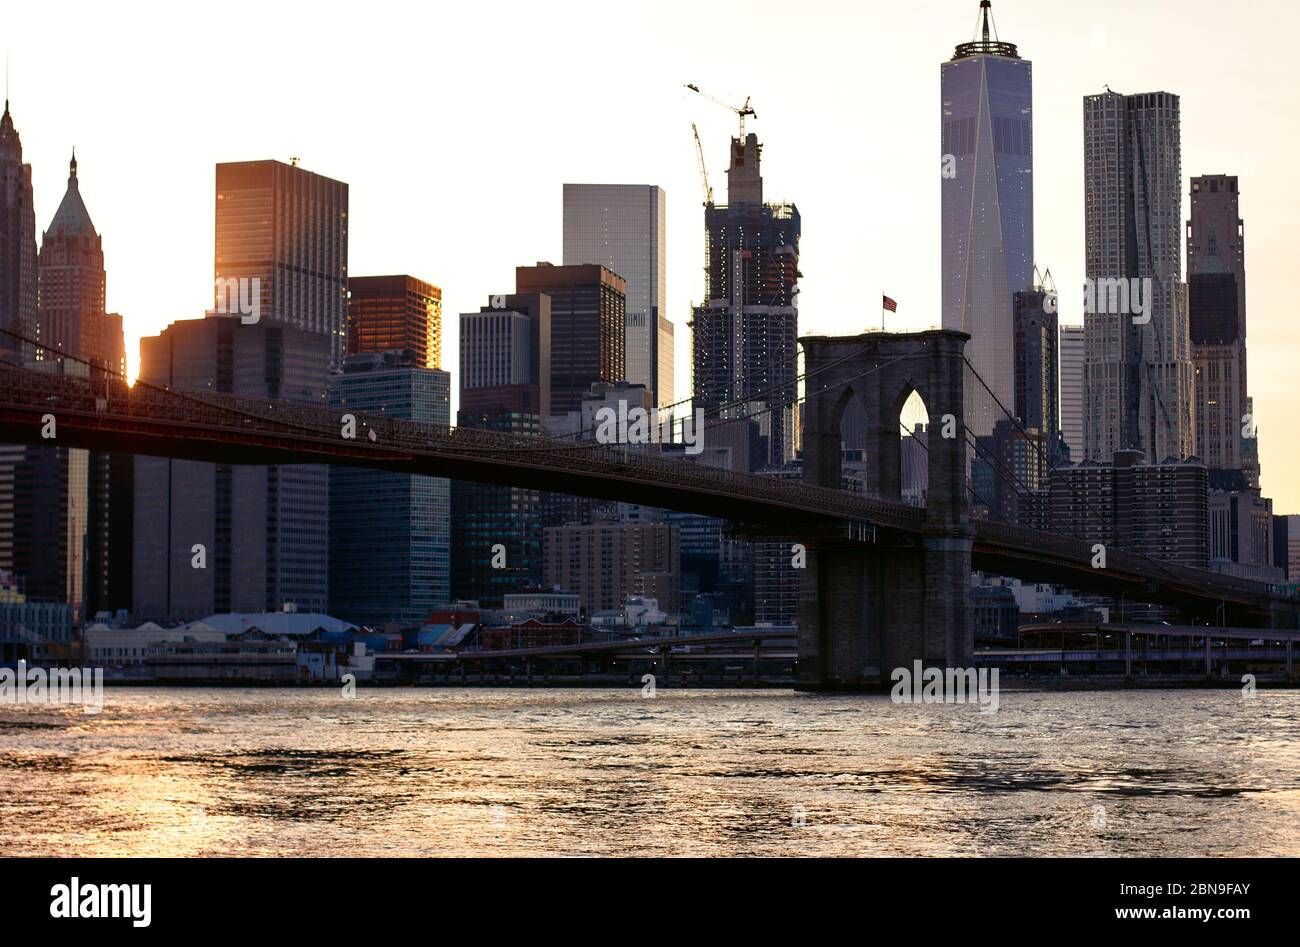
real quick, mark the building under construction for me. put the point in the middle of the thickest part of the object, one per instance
(744, 334)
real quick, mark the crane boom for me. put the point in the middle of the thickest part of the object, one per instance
(704, 172)
(741, 111)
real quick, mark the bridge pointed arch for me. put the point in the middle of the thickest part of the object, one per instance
(913, 434)
(849, 421)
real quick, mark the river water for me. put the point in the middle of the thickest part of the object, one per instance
(688, 772)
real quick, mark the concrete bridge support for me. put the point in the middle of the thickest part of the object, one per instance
(870, 607)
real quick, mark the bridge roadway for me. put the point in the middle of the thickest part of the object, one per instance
(107, 415)
(629, 647)
(1141, 642)
(227, 429)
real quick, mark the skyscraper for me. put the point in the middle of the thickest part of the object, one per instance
(1286, 546)
(67, 544)
(504, 386)
(18, 277)
(506, 347)
(1139, 366)
(1027, 448)
(605, 563)
(72, 284)
(1072, 349)
(18, 281)
(1241, 535)
(1216, 276)
(622, 227)
(50, 493)
(745, 332)
(1037, 380)
(987, 189)
(109, 517)
(73, 322)
(287, 228)
(588, 325)
(393, 313)
(1008, 468)
(776, 576)
(264, 530)
(389, 532)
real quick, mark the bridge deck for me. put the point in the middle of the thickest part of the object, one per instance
(229, 429)
(107, 415)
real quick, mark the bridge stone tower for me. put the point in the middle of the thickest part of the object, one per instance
(869, 607)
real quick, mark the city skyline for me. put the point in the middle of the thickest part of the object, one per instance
(410, 205)
(635, 430)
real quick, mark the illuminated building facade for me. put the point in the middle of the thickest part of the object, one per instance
(395, 313)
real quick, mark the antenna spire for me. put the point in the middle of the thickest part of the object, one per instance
(986, 41)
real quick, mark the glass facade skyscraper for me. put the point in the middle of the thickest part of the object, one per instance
(987, 201)
(264, 529)
(487, 515)
(622, 227)
(387, 313)
(588, 305)
(390, 533)
(288, 228)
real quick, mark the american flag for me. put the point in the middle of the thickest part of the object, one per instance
(889, 304)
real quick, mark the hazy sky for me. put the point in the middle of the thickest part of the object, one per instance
(456, 126)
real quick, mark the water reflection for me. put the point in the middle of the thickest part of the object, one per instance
(524, 772)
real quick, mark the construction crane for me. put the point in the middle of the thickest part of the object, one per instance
(742, 111)
(704, 172)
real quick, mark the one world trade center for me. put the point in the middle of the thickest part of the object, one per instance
(987, 204)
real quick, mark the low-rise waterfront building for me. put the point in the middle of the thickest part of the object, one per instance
(543, 602)
(638, 613)
(532, 633)
(130, 648)
(266, 647)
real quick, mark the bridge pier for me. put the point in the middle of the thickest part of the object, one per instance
(869, 608)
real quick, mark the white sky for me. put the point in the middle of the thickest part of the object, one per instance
(456, 126)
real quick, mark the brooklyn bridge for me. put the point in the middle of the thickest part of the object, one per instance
(884, 583)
